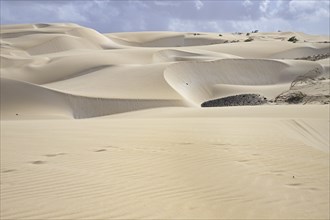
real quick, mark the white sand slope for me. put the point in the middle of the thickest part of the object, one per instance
(171, 55)
(202, 81)
(143, 147)
(24, 100)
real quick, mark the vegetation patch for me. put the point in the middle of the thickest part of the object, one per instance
(249, 39)
(293, 39)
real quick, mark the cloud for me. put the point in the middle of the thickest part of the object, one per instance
(193, 15)
(38, 11)
(262, 24)
(264, 6)
(310, 10)
(68, 12)
(199, 4)
(296, 6)
(247, 3)
(166, 3)
(193, 26)
(277, 8)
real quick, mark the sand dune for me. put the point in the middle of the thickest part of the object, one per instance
(301, 51)
(53, 38)
(201, 81)
(177, 39)
(21, 100)
(62, 65)
(171, 55)
(264, 49)
(168, 39)
(135, 82)
(143, 147)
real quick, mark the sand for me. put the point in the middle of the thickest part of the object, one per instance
(110, 126)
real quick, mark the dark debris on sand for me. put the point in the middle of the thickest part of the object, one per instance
(236, 100)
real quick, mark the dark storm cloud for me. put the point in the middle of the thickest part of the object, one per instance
(193, 15)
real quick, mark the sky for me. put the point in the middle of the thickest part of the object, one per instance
(218, 16)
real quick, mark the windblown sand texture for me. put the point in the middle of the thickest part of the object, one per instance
(110, 126)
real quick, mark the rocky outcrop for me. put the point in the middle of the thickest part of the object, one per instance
(315, 57)
(237, 100)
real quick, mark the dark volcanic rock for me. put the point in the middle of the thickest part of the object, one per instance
(291, 97)
(237, 100)
(315, 57)
(297, 97)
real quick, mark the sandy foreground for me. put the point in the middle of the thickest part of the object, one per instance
(110, 126)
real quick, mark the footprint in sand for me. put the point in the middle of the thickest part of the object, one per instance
(313, 188)
(54, 155)
(101, 150)
(294, 184)
(8, 171)
(243, 161)
(38, 162)
(278, 172)
(185, 143)
(113, 147)
(218, 144)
